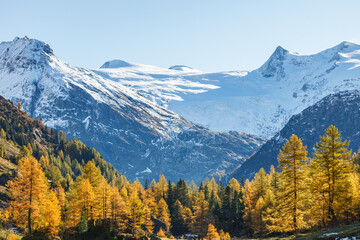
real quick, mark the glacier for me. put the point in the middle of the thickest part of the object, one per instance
(258, 102)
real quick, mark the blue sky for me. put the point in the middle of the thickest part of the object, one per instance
(204, 34)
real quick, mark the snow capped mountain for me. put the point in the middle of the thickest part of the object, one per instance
(341, 110)
(157, 84)
(140, 138)
(38, 77)
(259, 102)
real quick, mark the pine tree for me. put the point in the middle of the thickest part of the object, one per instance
(178, 219)
(182, 193)
(24, 152)
(83, 224)
(212, 233)
(332, 161)
(292, 163)
(226, 211)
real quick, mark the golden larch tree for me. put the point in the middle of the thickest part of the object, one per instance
(201, 218)
(332, 161)
(163, 213)
(28, 191)
(293, 161)
(212, 233)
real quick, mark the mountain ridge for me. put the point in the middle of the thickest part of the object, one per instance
(140, 138)
(258, 102)
(340, 109)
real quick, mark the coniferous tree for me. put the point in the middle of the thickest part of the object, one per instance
(2, 150)
(161, 233)
(2, 133)
(148, 223)
(292, 163)
(212, 233)
(178, 219)
(332, 162)
(118, 211)
(32, 204)
(83, 224)
(201, 217)
(136, 212)
(163, 213)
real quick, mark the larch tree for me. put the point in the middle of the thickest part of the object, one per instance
(118, 211)
(201, 218)
(332, 160)
(212, 233)
(248, 202)
(255, 208)
(2, 133)
(161, 188)
(163, 213)
(80, 201)
(98, 183)
(51, 214)
(28, 192)
(161, 233)
(104, 198)
(293, 161)
(19, 106)
(148, 223)
(136, 212)
(60, 195)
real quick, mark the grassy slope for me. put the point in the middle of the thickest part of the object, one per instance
(341, 232)
(7, 169)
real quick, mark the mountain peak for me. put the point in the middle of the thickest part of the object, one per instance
(24, 53)
(274, 64)
(116, 64)
(279, 53)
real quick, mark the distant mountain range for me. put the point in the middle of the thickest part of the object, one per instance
(258, 102)
(341, 109)
(180, 121)
(139, 137)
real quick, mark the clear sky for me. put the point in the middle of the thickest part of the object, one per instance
(204, 34)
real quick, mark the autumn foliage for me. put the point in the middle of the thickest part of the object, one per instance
(303, 192)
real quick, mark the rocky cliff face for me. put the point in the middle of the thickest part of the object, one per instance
(341, 109)
(140, 138)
